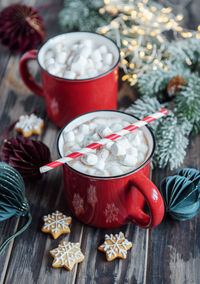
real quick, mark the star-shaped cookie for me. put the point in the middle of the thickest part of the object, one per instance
(66, 255)
(29, 124)
(56, 224)
(115, 246)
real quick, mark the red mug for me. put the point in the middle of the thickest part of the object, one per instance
(65, 98)
(112, 201)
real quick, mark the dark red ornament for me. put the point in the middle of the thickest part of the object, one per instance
(21, 28)
(25, 155)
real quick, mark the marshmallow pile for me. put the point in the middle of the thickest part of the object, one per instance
(115, 158)
(82, 60)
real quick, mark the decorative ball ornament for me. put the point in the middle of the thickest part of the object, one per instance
(25, 155)
(181, 194)
(21, 28)
(12, 199)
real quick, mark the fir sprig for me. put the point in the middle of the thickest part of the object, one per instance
(82, 15)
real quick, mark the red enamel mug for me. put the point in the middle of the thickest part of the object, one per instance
(65, 98)
(113, 201)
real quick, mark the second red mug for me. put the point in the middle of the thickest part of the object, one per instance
(116, 200)
(65, 98)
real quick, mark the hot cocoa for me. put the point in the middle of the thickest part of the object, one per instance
(116, 157)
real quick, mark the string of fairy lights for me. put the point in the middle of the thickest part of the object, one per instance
(139, 28)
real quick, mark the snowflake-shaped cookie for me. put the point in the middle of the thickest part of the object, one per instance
(56, 224)
(29, 124)
(67, 254)
(115, 246)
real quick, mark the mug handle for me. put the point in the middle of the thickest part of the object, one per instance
(25, 74)
(153, 199)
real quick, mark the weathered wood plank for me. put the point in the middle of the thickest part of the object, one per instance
(95, 268)
(175, 246)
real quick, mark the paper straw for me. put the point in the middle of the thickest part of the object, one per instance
(104, 141)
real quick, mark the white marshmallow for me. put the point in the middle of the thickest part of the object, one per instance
(108, 145)
(87, 42)
(91, 72)
(128, 160)
(89, 159)
(95, 137)
(103, 49)
(140, 158)
(105, 68)
(108, 58)
(90, 64)
(100, 121)
(102, 154)
(99, 66)
(125, 123)
(68, 137)
(78, 64)
(104, 131)
(132, 151)
(116, 127)
(79, 137)
(75, 148)
(91, 171)
(77, 165)
(69, 74)
(120, 146)
(117, 150)
(100, 165)
(102, 173)
(143, 148)
(115, 170)
(61, 57)
(84, 129)
(96, 55)
(92, 126)
(49, 54)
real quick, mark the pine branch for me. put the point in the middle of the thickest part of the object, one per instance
(82, 15)
(145, 106)
(172, 141)
(188, 102)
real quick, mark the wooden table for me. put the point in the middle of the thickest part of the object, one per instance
(169, 253)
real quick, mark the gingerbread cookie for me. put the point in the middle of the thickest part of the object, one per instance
(56, 224)
(29, 124)
(66, 255)
(115, 246)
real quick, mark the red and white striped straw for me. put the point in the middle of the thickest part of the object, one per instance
(104, 141)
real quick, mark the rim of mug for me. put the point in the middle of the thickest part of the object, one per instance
(79, 80)
(108, 177)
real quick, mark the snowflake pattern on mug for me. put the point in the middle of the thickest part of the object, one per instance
(78, 204)
(92, 195)
(111, 212)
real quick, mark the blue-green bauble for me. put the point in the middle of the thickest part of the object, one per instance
(12, 189)
(181, 194)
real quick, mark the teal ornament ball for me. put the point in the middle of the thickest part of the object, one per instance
(12, 198)
(181, 194)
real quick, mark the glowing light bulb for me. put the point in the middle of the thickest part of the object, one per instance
(149, 46)
(142, 54)
(115, 24)
(179, 17)
(166, 10)
(125, 42)
(131, 65)
(125, 77)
